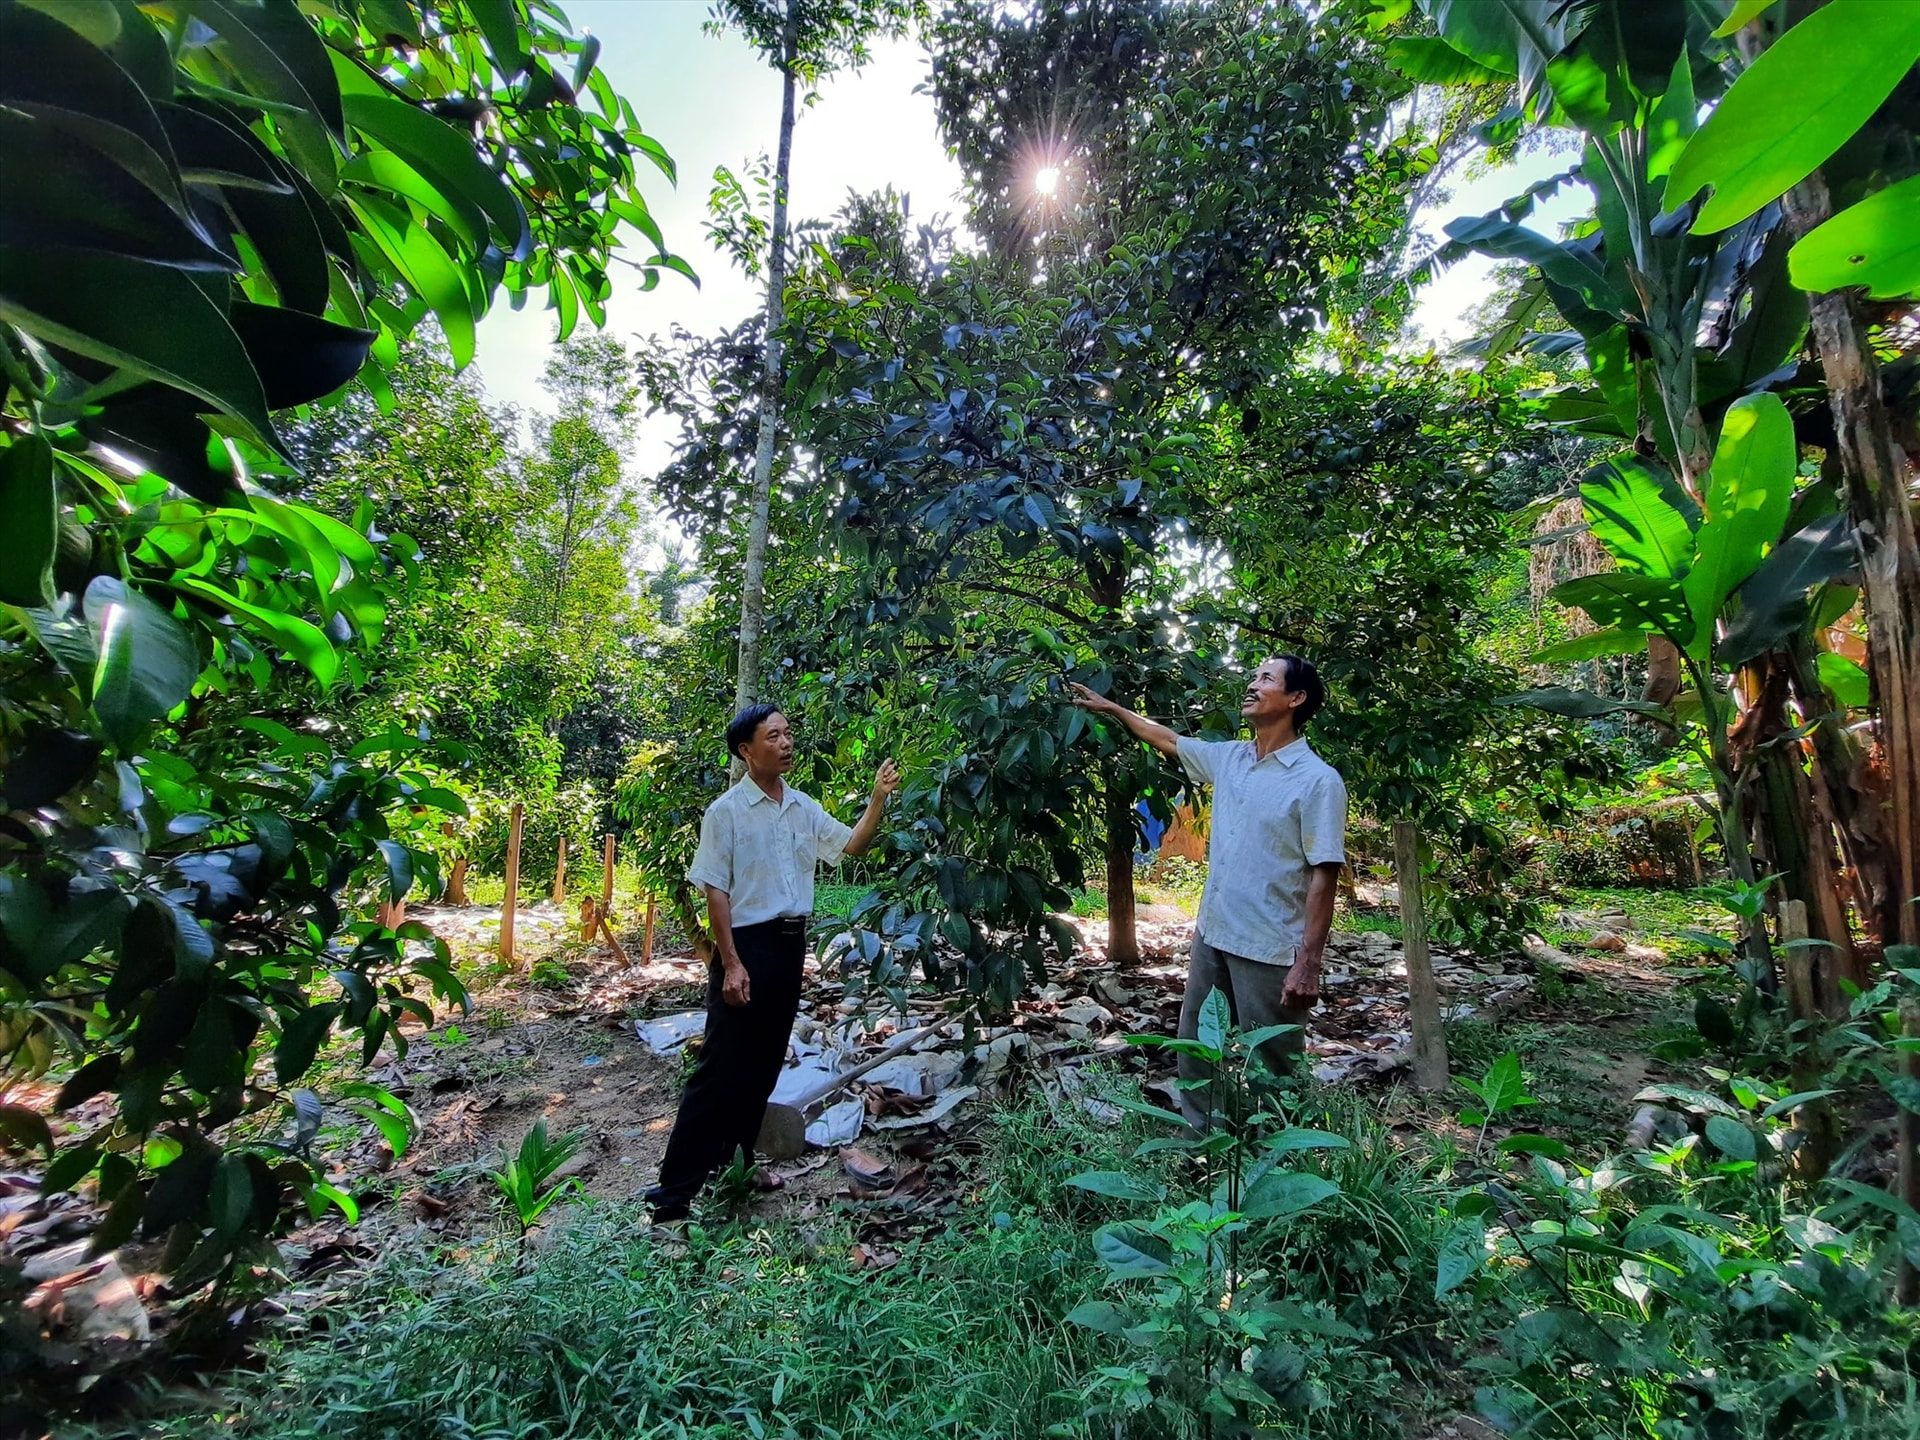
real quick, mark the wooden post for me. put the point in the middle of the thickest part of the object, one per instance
(646, 935)
(589, 917)
(457, 883)
(512, 898)
(606, 880)
(1429, 1041)
(1909, 1137)
(560, 873)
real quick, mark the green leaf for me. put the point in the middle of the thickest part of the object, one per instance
(1294, 1139)
(231, 1199)
(1590, 646)
(147, 660)
(1730, 1137)
(300, 1039)
(1216, 1019)
(280, 57)
(399, 868)
(150, 319)
(1875, 243)
(1533, 1145)
(446, 157)
(29, 521)
(1639, 514)
(1500, 238)
(1773, 600)
(503, 28)
(1843, 679)
(1577, 704)
(1749, 493)
(1743, 14)
(1119, 1185)
(1801, 100)
(1434, 62)
(425, 269)
(1131, 1253)
(1099, 1315)
(1462, 1253)
(300, 639)
(1503, 1087)
(1280, 1193)
(1622, 599)
(1715, 1023)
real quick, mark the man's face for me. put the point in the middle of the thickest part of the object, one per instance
(770, 751)
(1267, 696)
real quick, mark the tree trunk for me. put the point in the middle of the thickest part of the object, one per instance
(1123, 941)
(1423, 994)
(753, 583)
(1876, 493)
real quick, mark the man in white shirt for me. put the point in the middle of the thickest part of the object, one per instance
(759, 845)
(1277, 842)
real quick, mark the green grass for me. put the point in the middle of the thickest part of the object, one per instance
(1657, 915)
(837, 899)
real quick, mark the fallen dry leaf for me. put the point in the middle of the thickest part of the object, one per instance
(868, 1171)
(865, 1257)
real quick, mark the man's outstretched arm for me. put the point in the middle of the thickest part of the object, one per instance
(1151, 731)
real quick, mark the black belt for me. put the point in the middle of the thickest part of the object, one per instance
(781, 924)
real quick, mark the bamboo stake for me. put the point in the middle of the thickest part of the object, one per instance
(646, 935)
(1429, 1041)
(560, 873)
(511, 901)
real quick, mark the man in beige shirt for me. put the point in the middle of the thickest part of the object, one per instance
(759, 845)
(1274, 852)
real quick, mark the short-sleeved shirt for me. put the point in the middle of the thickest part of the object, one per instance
(763, 851)
(1274, 819)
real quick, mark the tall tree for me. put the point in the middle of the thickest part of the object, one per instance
(805, 41)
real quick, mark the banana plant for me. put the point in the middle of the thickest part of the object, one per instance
(1722, 581)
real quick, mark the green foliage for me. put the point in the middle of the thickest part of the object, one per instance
(228, 211)
(523, 1178)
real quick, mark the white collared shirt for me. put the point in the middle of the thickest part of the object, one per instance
(762, 852)
(1274, 819)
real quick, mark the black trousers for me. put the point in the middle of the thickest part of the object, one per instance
(740, 1060)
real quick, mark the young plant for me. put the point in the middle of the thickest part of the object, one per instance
(1212, 1343)
(523, 1178)
(1500, 1091)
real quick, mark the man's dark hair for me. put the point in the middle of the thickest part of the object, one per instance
(746, 725)
(1301, 677)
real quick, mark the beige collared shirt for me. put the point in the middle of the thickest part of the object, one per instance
(763, 852)
(1274, 819)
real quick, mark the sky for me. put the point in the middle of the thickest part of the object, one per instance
(712, 100)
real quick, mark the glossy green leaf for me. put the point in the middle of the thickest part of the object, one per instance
(1635, 602)
(1845, 680)
(280, 57)
(1118, 1185)
(1435, 62)
(29, 521)
(302, 640)
(1282, 1193)
(446, 157)
(1639, 514)
(1499, 237)
(150, 319)
(1800, 101)
(300, 1040)
(1875, 244)
(1730, 1137)
(1591, 646)
(1749, 493)
(501, 24)
(425, 269)
(1462, 1254)
(1130, 1252)
(399, 868)
(147, 660)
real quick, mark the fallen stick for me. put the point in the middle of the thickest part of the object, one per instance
(606, 929)
(783, 1131)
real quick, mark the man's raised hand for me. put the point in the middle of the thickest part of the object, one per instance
(1087, 700)
(887, 781)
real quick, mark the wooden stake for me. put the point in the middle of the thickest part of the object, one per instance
(512, 899)
(646, 935)
(457, 883)
(589, 917)
(619, 950)
(560, 873)
(1909, 1137)
(1429, 1041)
(606, 880)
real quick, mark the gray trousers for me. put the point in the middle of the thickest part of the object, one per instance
(1253, 994)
